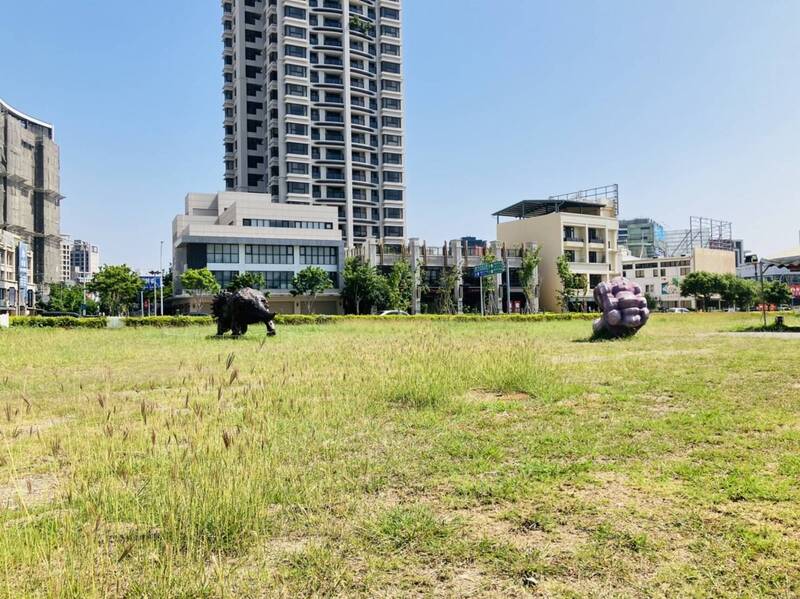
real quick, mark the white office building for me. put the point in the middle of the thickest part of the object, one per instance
(313, 102)
(234, 233)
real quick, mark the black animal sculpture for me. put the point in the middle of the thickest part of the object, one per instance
(234, 311)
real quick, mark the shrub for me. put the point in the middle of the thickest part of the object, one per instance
(167, 321)
(64, 322)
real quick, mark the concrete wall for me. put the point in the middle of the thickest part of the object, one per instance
(717, 261)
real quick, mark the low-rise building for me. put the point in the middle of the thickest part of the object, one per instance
(232, 233)
(660, 277)
(584, 230)
(17, 290)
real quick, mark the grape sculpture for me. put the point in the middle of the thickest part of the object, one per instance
(624, 308)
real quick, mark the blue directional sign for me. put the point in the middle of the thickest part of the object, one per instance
(489, 268)
(22, 270)
(151, 282)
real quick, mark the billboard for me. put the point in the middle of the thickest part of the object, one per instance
(22, 270)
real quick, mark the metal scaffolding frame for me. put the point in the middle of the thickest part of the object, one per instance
(596, 195)
(703, 232)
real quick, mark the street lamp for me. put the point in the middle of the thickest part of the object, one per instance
(161, 275)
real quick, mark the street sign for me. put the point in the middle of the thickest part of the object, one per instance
(151, 282)
(489, 268)
(22, 271)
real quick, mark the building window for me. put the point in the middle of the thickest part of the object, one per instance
(393, 231)
(393, 195)
(296, 90)
(390, 13)
(390, 31)
(391, 103)
(639, 274)
(222, 253)
(392, 177)
(312, 254)
(292, 31)
(391, 86)
(296, 129)
(295, 187)
(296, 109)
(295, 148)
(393, 213)
(224, 277)
(392, 121)
(295, 70)
(297, 51)
(269, 254)
(297, 168)
(278, 279)
(286, 224)
(294, 12)
(392, 158)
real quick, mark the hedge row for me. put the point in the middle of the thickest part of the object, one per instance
(70, 322)
(63, 322)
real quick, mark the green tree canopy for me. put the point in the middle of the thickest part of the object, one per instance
(400, 286)
(310, 282)
(571, 282)
(69, 298)
(361, 285)
(736, 292)
(254, 280)
(118, 287)
(701, 285)
(199, 280)
(776, 293)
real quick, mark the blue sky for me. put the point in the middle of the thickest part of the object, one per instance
(693, 107)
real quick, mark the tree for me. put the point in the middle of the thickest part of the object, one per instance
(527, 276)
(571, 283)
(70, 298)
(254, 280)
(701, 285)
(736, 292)
(776, 293)
(198, 282)
(118, 287)
(445, 294)
(361, 284)
(311, 281)
(489, 287)
(400, 284)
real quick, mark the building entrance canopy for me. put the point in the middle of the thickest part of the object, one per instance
(789, 259)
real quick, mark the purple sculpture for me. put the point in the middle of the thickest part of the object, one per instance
(624, 308)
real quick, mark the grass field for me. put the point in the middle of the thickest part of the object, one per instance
(401, 458)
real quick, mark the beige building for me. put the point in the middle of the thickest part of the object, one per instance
(232, 232)
(17, 291)
(584, 230)
(30, 201)
(661, 277)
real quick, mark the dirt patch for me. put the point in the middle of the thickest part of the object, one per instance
(28, 491)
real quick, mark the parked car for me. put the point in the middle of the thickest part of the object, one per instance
(394, 313)
(679, 310)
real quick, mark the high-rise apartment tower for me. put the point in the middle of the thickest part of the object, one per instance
(313, 100)
(30, 201)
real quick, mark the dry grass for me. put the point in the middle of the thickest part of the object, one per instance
(401, 459)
